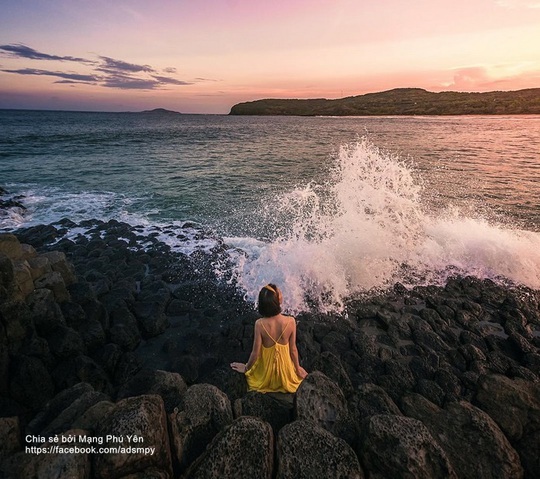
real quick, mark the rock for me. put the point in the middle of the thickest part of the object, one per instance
(66, 419)
(55, 283)
(244, 450)
(142, 417)
(397, 446)
(30, 382)
(151, 317)
(56, 405)
(305, 451)
(170, 386)
(274, 408)
(124, 330)
(321, 400)
(58, 263)
(24, 283)
(39, 266)
(370, 400)
(203, 412)
(81, 369)
(10, 436)
(10, 246)
(65, 342)
(7, 276)
(331, 366)
(473, 442)
(46, 314)
(93, 415)
(515, 406)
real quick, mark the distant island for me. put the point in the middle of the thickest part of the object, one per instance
(402, 101)
(162, 111)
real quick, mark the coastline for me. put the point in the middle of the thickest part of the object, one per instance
(438, 370)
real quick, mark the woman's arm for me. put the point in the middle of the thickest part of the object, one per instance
(257, 342)
(294, 352)
(255, 351)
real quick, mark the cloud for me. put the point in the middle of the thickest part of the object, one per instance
(22, 51)
(170, 81)
(119, 65)
(67, 76)
(107, 72)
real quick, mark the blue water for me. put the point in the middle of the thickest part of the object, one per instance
(329, 205)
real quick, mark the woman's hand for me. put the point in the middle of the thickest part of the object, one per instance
(240, 367)
(302, 372)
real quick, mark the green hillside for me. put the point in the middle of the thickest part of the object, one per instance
(402, 101)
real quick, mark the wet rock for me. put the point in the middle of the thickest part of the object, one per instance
(397, 446)
(59, 263)
(65, 342)
(81, 369)
(305, 450)
(124, 330)
(475, 445)
(145, 418)
(93, 416)
(331, 366)
(203, 412)
(10, 246)
(244, 450)
(151, 318)
(320, 400)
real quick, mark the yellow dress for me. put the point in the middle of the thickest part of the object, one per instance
(273, 371)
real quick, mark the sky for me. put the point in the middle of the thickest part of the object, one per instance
(204, 56)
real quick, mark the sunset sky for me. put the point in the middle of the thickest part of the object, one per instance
(203, 56)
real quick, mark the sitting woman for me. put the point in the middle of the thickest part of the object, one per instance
(273, 364)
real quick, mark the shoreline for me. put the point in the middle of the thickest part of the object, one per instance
(416, 367)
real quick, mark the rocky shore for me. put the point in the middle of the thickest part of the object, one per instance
(109, 339)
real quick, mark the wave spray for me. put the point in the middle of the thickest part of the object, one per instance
(367, 228)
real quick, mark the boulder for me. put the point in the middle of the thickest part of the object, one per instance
(244, 450)
(137, 422)
(331, 366)
(65, 342)
(170, 386)
(7, 276)
(151, 317)
(55, 283)
(204, 411)
(93, 416)
(46, 313)
(124, 330)
(277, 409)
(473, 442)
(39, 266)
(321, 400)
(59, 263)
(24, 284)
(370, 400)
(30, 382)
(56, 405)
(397, 446)
(10, 246)
(10, 436)
(305, 451)
(514, 404)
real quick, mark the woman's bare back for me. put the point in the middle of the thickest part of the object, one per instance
(278, 327)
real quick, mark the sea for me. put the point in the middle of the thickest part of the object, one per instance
(328, 208)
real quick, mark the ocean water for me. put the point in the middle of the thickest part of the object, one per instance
(325, 207)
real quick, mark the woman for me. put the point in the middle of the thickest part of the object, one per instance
(273, 364)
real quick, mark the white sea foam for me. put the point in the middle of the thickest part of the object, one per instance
(368, 228)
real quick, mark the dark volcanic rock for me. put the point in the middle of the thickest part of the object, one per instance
(475, 445)
(321, 400)
(274, 408)
(203, 412)
(244, 450)
(30, 382)
(305, 450)
(397, 446)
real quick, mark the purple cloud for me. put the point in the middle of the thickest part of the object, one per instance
(22, 51)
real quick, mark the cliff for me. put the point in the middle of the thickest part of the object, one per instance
(402, 101)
